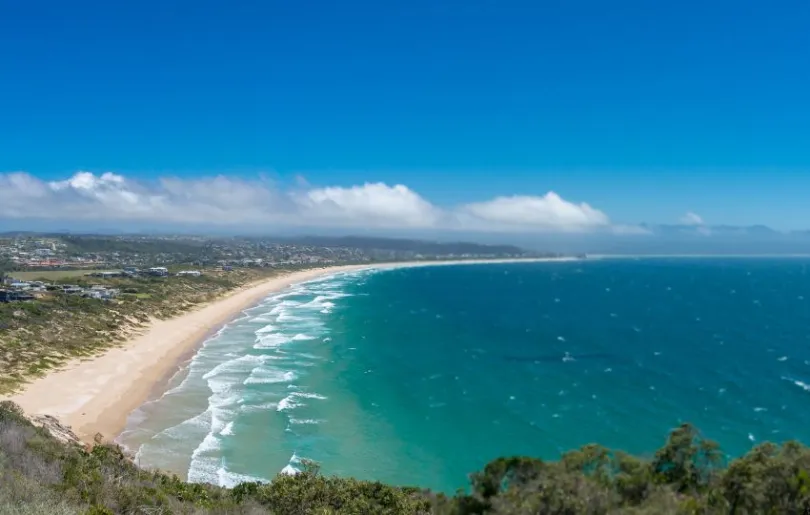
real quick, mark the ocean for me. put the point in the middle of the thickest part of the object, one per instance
(420, 376)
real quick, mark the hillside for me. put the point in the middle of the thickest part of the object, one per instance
(39, 335)
(40, 475)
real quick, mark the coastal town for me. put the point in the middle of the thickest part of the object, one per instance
(53, 251)
(64, 296)
(35, 267)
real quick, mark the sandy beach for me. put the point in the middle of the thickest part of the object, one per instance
(96, 396)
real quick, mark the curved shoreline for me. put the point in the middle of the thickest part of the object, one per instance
(97, 395)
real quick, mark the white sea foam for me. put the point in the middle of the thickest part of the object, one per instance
(269, 328)
(209, 443)
(262, 375)
(270, 341)
(194, 424)
(292, 400)
(321, 300)
(228, 479)
(300, 421)
(290, 470)
(281, 326)
(306, 355)
(287, 403)
(284, 316)
(306, 395)
(801, 384)
(258, 408)
(292, 466)
(177, 389)
(204, 469)
(240, 364)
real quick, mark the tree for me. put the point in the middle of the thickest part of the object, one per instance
(687, 461)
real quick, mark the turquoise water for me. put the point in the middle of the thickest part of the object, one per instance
(419, 376)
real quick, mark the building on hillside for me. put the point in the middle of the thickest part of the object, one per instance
(106, 275)
(189, 273)
(100, 294)
(15, 296)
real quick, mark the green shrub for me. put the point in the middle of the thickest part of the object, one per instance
(42, 476)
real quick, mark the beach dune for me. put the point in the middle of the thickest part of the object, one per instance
(96, 395)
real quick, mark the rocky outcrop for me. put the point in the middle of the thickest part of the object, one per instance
(58, 430)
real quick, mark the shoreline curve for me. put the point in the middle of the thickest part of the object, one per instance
(97, 395)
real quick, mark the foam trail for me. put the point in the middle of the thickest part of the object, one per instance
(269, 328)
(801, 384)
(299, 421)
(271, 341)
(282, 326)
(289, 402)
(229, 479)
(261, 375)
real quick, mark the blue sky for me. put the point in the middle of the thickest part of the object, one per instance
(643, 110)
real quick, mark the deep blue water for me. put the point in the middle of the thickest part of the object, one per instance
(420, 376)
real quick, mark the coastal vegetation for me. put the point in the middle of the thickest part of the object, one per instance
(37, 336)
(50, 275)
(40, 475)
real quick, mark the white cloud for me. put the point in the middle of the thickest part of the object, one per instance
(223, 200)
(691, 218)
(549, 212)
(373, 204)
(111, 197)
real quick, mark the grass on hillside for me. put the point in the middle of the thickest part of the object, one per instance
(51, 275)
(37, 336)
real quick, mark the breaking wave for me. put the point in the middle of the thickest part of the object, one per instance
(256, 366)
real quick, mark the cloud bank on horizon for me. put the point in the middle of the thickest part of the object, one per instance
(224, 201)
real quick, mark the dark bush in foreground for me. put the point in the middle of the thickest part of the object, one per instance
(42, 476)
